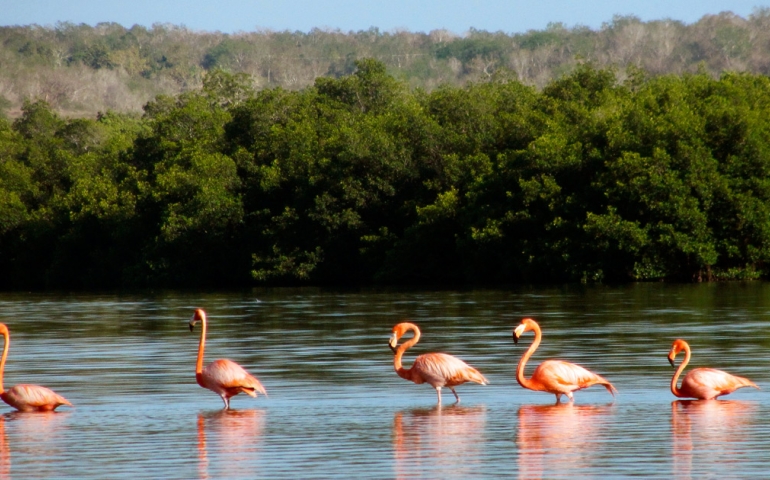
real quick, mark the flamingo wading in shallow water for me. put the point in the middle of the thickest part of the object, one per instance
(702, 383)
(27, 398)
(437, 369)
(553, 376)
(224, 377)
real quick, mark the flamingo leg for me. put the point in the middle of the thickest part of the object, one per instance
(438, 392)
(227, 402)
(456, 396)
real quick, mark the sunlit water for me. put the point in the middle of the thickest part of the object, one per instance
(336, 408)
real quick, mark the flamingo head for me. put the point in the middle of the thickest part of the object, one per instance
(198, 316)
(677, 347)
(525, 326)
(399, 331)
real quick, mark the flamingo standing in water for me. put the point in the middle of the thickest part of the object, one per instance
(27, 398)
(224, 377)
(437, 369)
(554, 376)
(702, 383)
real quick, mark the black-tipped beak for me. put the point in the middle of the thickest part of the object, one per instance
(515, 338)
(192, 325)
(392, 347)
(671, 361)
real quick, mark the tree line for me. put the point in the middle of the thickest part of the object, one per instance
(364, 180)
(81, 70)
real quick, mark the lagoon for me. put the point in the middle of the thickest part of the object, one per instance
(336, 408)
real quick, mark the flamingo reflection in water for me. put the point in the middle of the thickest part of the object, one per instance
(439, 442)
(560, 440)
(710, 435)
(232, 439)
(34, 439)
(5, 451)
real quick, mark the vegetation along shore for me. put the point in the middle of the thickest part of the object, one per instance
(365, 175)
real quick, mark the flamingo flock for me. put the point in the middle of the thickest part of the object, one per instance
(227, 379)
(552, 376)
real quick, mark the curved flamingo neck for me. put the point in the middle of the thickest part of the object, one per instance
(201, 346)
(400, 370)
(7, 344)
(523, 381)
(674, 389)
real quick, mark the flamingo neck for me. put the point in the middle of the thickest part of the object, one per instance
(523, 381)
(678, 372)
(201, 347)
(400, 370)
(7, 344)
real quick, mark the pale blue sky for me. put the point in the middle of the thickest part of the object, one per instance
(458, 16)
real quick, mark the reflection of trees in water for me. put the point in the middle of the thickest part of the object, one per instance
(439, 441)
(231, 438)
(710, 435)
(559, 440)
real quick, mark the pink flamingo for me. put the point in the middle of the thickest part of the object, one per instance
(702, 383)
(224, 377)
(27, 398)
(437, 369)
(554, 376)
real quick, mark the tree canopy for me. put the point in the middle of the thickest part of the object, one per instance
(363, 179)
(80, 70)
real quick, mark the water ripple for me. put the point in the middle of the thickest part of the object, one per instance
(336, 408)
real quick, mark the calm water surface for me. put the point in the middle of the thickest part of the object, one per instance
(336, 408)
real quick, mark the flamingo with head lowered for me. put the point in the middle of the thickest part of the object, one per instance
(702, 383)
(436, 369)
(554, 376)
(27, 398)
(224, 377)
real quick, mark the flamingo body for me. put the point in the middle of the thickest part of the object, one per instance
(703, 383)
(224, 377)
(24, 397)
(436, 369)
(554, 376)
(227, 379)
(442, 370)
(33, 398)
(564, 377)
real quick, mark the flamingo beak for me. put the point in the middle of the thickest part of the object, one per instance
(671, 361)
(517, 333)
(393, 342)
(192, 325)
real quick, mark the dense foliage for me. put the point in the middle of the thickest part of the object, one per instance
(362, 179)
(82, 69)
